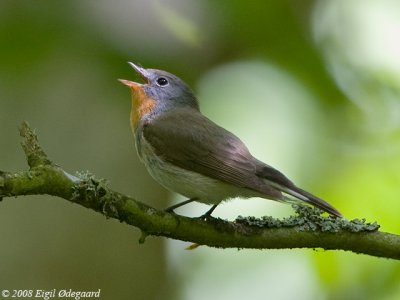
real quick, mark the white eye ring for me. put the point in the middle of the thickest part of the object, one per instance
(162, 81)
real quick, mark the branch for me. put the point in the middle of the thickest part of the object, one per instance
(306, 230)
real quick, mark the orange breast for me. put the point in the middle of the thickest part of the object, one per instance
(141, 105)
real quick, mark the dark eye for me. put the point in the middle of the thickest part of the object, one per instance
(161, 81)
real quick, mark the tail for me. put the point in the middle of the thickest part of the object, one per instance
(311, 199)
(280, 182)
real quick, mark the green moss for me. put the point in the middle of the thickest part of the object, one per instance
(34, 153)
(310, 219)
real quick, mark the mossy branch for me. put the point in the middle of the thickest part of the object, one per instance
(306, 230)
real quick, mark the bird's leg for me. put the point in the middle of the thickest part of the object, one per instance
(172, 207)
(208, 213)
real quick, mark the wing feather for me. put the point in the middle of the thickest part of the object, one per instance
(193, 142)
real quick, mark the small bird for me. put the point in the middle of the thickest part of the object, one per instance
(189, 154)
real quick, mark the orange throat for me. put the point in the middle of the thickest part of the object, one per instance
(141, 106)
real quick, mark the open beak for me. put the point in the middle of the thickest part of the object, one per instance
(141, 72)
(131, 84)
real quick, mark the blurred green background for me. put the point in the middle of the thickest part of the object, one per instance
(312, 87)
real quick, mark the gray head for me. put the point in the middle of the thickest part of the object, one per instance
(168, 90)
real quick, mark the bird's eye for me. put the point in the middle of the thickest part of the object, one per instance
(161, 81)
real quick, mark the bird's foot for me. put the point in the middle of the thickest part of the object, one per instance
(207, 215)
(171, 208)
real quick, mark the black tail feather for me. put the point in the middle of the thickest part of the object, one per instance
(313, 200)
(279, 181)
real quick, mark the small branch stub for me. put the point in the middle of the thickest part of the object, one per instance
(34, 153)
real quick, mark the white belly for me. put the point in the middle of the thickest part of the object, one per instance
(187, 183)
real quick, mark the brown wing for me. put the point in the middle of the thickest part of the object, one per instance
(189, 140)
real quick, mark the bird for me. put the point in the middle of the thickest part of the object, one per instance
(189, 154)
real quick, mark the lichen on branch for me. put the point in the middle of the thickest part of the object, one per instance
(310, 218)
